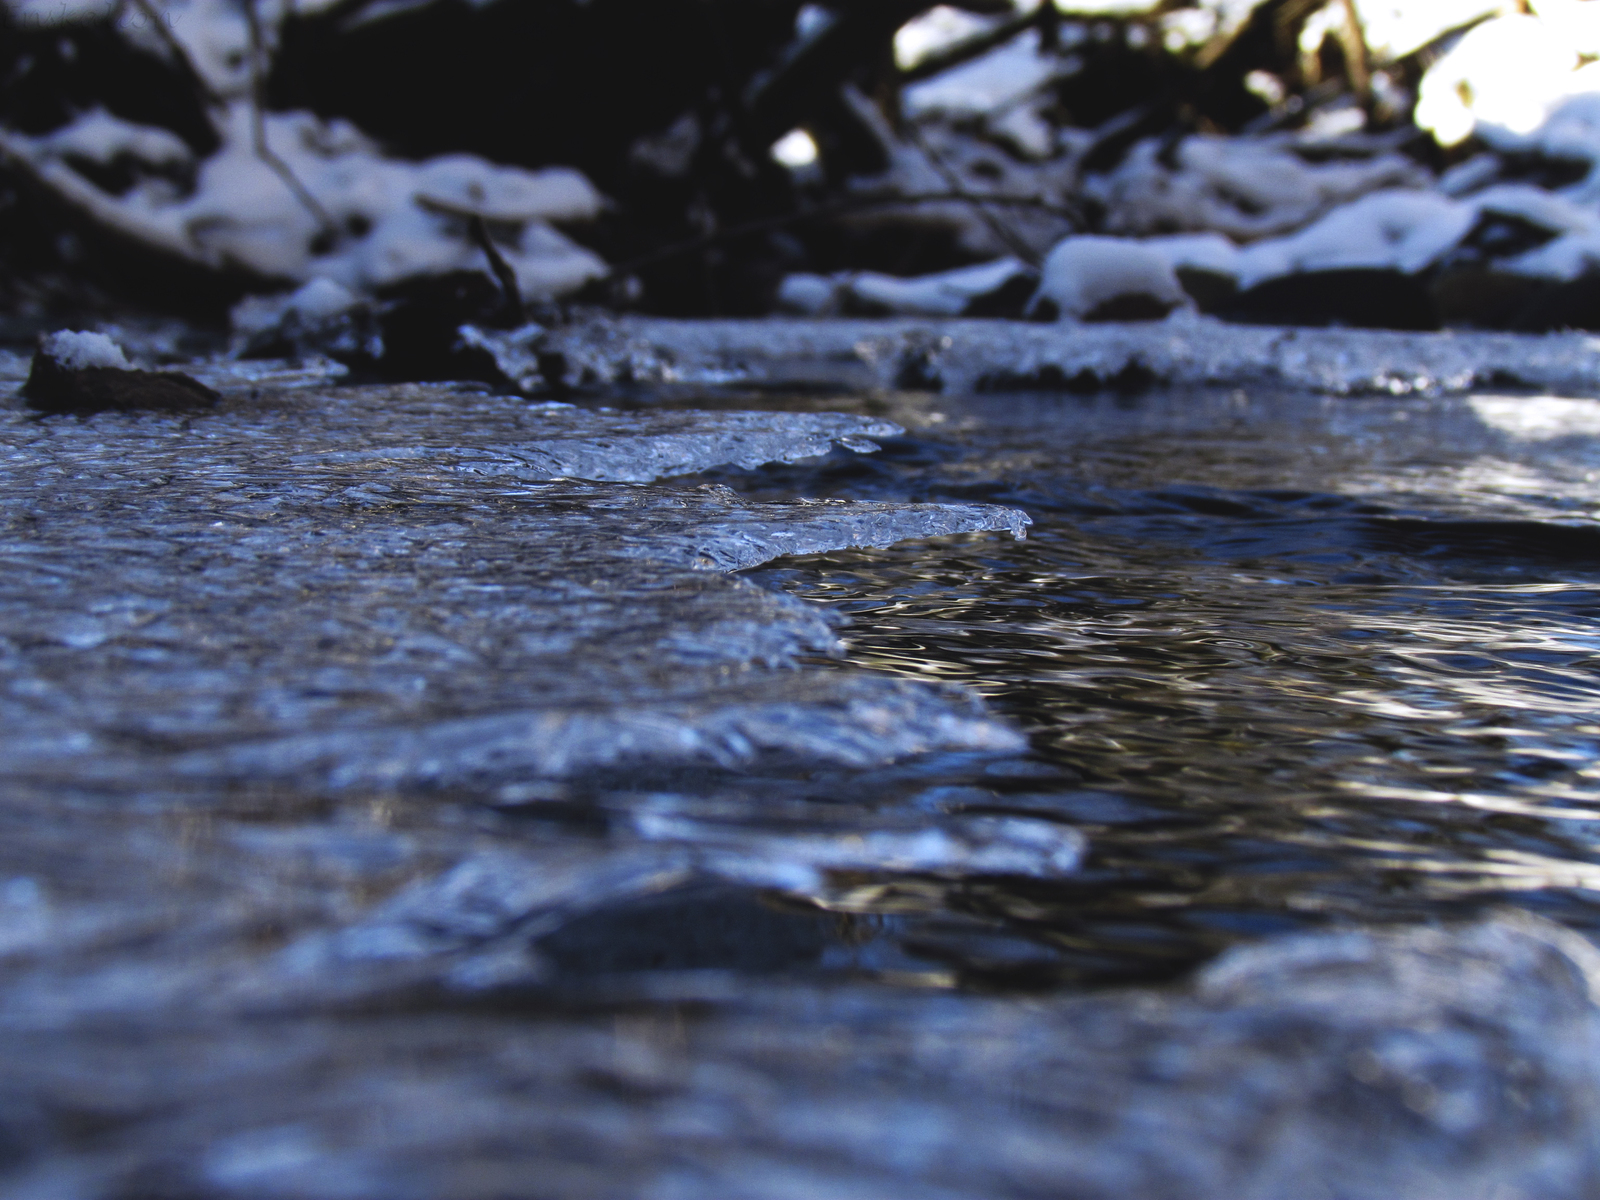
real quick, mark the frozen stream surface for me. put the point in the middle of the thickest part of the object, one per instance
(409, 792)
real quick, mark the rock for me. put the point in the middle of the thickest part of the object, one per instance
(1479, 296)
(1211, 291)
(1574, 304)
(85, 373)
(1106, 279)
(1361, 297)
(420, 326)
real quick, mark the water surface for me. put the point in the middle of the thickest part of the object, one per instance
(1293, 659)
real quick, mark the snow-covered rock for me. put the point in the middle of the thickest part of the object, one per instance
(993, 81)
(945, 294)
(941, 294)
(1406, 230)
(809, 295)
(1087, 273)
(1245, 187)
(1197, 251)
(77, 351)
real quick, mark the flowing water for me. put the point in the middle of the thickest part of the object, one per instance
(390, 814)
(1288, 660)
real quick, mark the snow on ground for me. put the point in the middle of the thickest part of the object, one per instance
(387, 219)
(943, 294)
(1245, 187)
(364, 219)
(1084, 273)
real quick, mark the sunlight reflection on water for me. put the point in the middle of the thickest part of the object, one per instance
(1342, 652)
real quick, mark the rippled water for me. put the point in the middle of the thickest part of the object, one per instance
(1293, 659)
(387, 814)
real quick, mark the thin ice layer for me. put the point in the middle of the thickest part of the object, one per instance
(966, 356)
(386, 588)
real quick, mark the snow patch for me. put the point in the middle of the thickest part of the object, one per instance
(387, 219)
(1245, 187)
(945, 294)
(1521, 83)
(100, 137)
(1401, 229)
(79, 350)
(997, 79)
(1085, 272)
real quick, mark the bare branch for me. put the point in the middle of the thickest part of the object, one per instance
(258, 126)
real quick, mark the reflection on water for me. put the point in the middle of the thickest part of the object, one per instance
(1295, 659)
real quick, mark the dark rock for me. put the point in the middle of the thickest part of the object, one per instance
(1008, 300)
(53, 388)
(1363, 297)
(1134, 306)
(1208, 289)
(1571, 305)
(1478, 295)
(420, 326)
(1500, 235)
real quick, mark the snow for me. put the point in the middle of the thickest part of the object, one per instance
(1396, 28)
(999, 78)
(1201, 251)
(1521, 82)
(394, 219)
(945, 294)
(101, 138)
(934, 32)
(1023, 130)
(942, 294)
(507, 193)
(1548, 210)
(1573, 127)
(807, 294)
(321, 299)
(1086, 271)
(796, 150)
(1402, 229)
(78, 350)
(1567, 257)
(1245, 187)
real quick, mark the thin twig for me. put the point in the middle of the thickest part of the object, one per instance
(501, 268)
(176, 49)
(1007, 236)
(258, 126)
(840, 207)
(1358, 61)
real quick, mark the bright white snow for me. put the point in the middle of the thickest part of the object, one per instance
(1084, 272)
(78, 350)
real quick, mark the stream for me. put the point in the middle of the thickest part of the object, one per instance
(1295, 660)
(412, 792)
